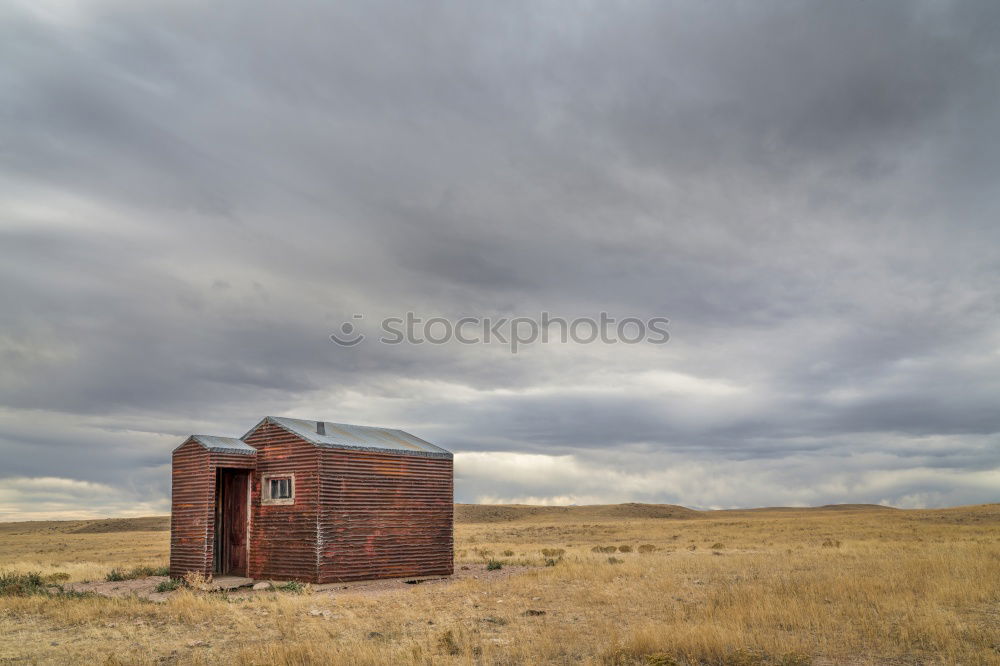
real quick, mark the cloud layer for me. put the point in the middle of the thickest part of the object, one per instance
(195, 195)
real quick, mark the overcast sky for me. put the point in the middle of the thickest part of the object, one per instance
(195, 195)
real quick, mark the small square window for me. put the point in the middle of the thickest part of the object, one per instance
(279, 489)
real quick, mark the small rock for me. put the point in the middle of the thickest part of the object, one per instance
(263, 585)
(536, 598)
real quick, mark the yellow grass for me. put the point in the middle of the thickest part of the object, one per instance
(901, 587)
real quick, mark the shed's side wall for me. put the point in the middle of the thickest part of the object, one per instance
(192, 509)
(384, 515)
(192, 516)
(283, 542)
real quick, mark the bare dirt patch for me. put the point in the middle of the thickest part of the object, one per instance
(144, 588)
(464, 572)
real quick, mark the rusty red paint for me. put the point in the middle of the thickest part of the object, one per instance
(356, 514)
(192, 521)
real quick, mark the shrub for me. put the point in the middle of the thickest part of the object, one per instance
(196, 580)
(293, 586)
(143, 571)
(624, 549)
(169, 585)
(614, 560)
(718, 546)
(508, 553)
(22, 585)
(550, 562)
(493, 565)
(448, 644)
(116, 575)
(647, 548)
(553, 552)
(831, 543)
(57, 578)
(604, 549)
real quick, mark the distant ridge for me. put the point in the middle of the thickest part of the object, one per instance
(825, 507)
(498, 513)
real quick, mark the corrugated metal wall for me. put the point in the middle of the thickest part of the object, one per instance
(384, 515)
(283, 537)
(192, 519)
(356, 515)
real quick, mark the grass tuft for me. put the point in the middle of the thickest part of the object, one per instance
(448, 644)
(169, 585)
(293, 586)
(116, 574)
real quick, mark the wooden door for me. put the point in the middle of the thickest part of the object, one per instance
(231, 497)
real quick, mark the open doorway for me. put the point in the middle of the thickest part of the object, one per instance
(232, 494)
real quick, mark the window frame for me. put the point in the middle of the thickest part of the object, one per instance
(265, 490)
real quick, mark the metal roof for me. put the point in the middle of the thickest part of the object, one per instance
(224, 444)
(366, 438)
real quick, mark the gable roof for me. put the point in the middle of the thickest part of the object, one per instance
(363, 438)
(224, 444)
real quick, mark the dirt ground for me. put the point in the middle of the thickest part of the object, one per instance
(145, 588)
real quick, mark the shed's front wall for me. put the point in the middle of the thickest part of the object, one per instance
(192, 516)
(283, 543)
(384, 515)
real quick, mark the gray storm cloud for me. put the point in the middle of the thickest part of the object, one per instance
(195, 195)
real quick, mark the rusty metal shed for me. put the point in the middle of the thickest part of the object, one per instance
(312, 501)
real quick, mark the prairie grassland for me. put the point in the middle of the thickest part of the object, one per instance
(821, 586)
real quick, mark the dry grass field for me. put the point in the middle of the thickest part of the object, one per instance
(835, 585)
